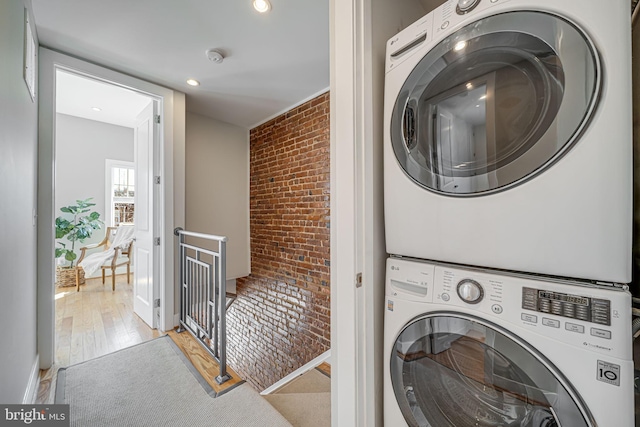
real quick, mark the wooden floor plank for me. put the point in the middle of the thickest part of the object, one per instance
(203, 361)
(325, 368)
(97, 321)
(89, 324)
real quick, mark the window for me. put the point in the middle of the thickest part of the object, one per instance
(120, 192)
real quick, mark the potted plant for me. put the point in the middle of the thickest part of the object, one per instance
(77, 225)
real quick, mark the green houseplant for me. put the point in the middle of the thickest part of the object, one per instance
(77, 225)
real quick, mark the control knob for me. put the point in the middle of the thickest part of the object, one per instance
(466, 6)
(470, 291)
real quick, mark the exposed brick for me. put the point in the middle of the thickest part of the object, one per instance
(281, 318)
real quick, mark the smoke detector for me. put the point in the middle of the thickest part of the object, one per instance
(215, 55)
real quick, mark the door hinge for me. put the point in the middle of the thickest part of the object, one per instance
(156, 241)
(358, 280)
(156, 179)
(157, 118)
(156, 303)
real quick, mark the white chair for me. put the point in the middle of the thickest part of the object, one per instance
(118, 246)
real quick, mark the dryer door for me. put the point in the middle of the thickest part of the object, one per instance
(452, 370)
(495, 103)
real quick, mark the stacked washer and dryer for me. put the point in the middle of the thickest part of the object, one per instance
(508, 212)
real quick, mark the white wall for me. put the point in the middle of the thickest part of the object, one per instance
(18, 173)
(82, 146)
(217, 186)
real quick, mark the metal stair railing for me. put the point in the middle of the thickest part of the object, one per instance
(203, 295)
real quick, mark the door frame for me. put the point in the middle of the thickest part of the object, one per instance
(169, 207)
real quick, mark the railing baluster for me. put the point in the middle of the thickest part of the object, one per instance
(203, 290)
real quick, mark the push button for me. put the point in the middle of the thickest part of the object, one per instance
(574, 328)
(496, 308)
(601, 333)
(529, 318)
(550, 322)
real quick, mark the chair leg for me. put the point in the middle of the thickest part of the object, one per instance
(113, 279)
(103, 276)
(128, 274)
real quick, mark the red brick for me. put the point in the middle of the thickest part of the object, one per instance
(281, 318)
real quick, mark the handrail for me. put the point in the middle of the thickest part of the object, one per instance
(203, 288)
(180, 231)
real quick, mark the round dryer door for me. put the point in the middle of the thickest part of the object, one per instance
(495, 103)
(451, 370)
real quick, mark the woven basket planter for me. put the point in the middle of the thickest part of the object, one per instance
(66, 276)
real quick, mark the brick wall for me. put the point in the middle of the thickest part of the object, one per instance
(281, 317)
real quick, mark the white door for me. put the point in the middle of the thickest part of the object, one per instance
(143, 280)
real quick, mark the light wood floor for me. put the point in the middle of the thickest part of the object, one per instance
(98, 321)
(91, 323)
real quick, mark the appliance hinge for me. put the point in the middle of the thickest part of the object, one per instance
(156, 303)
(157, 118)
(156, 179)
(358, 280)
(156, 241)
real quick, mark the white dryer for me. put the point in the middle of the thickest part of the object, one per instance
(469, 347)
(508, 137)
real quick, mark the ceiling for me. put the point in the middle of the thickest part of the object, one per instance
(272, 61)
(80, 96)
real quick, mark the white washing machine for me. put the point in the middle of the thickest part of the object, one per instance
(508, 137)
(469, 347)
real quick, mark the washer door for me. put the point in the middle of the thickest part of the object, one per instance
(495, 103)
(453, 370)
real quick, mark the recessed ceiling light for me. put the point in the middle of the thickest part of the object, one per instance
(96, 109)
(193, 82)
(261, 6)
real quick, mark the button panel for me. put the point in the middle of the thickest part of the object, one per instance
(587, 309)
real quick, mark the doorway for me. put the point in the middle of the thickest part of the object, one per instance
(96, 140)
(168, 110)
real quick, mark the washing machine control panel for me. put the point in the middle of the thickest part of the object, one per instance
(593, 310)
(594, 318)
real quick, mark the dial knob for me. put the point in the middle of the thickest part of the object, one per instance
(465, 6)
(470, 291)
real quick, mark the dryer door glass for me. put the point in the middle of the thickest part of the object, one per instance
(454, 370)
(495, 103)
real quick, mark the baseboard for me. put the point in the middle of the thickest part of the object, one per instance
(324, 357)
(31, 393)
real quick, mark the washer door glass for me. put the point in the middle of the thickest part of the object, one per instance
(454, 371)
(495, 103)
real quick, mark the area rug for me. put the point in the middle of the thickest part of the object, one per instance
(153, 384)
